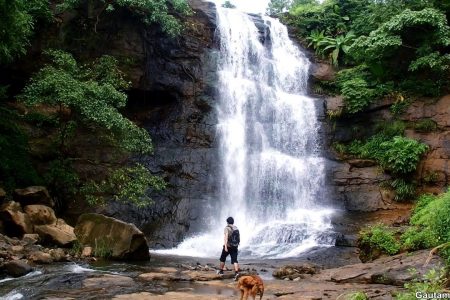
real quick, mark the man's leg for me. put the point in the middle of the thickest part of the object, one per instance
(236, 267)
(222, 259)
(234, 261)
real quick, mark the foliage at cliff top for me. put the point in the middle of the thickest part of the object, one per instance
(151, 11)
(403, 45)
(18, 18)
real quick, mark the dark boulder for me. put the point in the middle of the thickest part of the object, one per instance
(17, 268)
(33, 195)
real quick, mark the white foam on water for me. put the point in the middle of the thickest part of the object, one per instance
(31, 274)
(75, 268)
(12, 296)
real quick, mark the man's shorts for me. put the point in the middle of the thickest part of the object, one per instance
(233, 253)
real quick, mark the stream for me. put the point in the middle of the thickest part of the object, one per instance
(73, 280)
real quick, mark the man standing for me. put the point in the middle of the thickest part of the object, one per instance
(231, 241)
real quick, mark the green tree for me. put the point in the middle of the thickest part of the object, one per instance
(17, 21)
(228, 4)
(313, 15)
(277, 7)
(430, 225)
(18, 18)
(87, 95)
(401, 37)
(16, 168)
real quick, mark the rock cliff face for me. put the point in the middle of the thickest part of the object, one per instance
(173, 97)
(358, 183)
(434, 170)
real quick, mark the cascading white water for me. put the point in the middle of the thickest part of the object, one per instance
(272, 173)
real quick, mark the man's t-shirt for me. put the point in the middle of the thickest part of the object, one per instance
(229, 229)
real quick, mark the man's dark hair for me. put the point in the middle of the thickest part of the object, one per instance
(230, 220)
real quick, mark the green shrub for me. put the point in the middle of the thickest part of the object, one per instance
(359, 88)
(399, 107)
(441, 223)
(425, 125)
(357, 296)
(404, 190)
(128, 184)
(430, 177)
(430, 224)
(427, 87)
(397, 154)
(357, 94)
(355, 88)
(61, 179)
(400, 154)
(421, 203)
(368, 149)
(414, 239)
(377, 238)
(77, 248)
(310, 15)
(102, 248)
(16, 168)
(389, 129)
(434, 281)
(339, 148)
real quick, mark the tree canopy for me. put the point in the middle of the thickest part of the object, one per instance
(150, 11)
(17, 22)
(91, 95)
(402, 46)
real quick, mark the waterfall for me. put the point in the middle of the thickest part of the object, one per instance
(272, 175)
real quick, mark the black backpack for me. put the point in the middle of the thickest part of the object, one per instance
(234, 238)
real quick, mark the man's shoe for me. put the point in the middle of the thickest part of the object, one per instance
(236, 276)
(220, 272)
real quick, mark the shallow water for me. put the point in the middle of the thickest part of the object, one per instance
(66, 280)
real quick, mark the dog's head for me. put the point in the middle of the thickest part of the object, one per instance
(249, 281)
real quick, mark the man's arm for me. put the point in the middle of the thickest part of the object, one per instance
(225, 240)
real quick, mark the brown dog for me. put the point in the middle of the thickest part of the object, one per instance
(250, 285)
